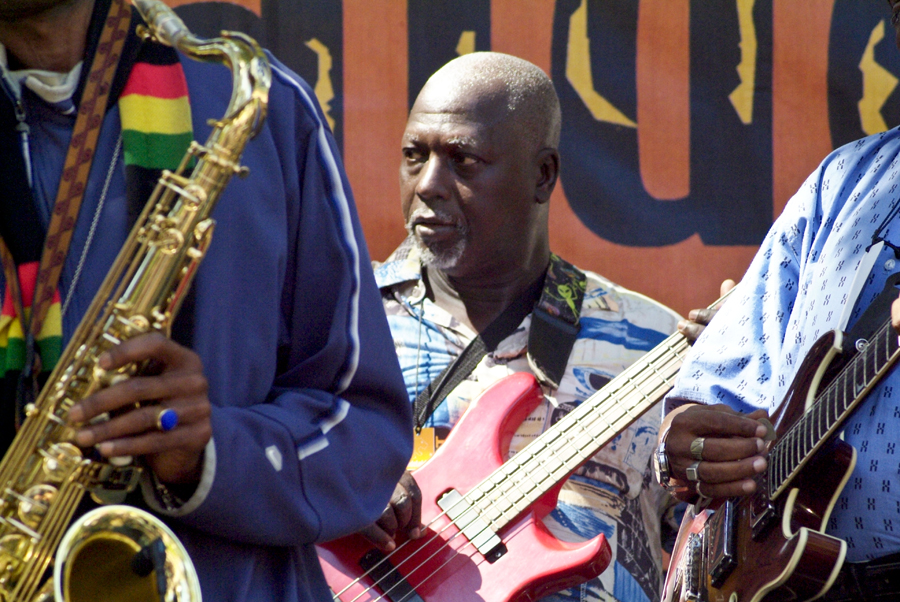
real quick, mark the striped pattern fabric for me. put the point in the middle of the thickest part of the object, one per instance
(12, 337)
(156, 114)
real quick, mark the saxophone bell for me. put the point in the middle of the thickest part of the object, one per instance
(123, 554)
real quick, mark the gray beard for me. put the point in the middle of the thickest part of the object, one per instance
(444, 259)
(441, 259)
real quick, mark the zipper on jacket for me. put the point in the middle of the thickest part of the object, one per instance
(21, 125)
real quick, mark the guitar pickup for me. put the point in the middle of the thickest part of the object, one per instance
(393, 584)
(723, 543)
(476, 530)
(762, 510)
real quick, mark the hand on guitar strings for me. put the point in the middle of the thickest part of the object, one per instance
(403, 514)
(731, 450)
(176, 382)
(698, 319)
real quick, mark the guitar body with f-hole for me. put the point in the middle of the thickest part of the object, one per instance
(770, 546)
(442, 565)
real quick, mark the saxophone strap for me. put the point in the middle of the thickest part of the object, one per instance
(79, 158)
(76, 169)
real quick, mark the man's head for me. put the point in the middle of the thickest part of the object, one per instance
(480, 161)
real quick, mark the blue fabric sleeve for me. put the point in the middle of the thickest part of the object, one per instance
(737, 355)
(319, 454)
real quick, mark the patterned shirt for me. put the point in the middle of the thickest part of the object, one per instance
(614, 492)
(796, 290)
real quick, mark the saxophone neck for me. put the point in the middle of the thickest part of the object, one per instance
(249, 65)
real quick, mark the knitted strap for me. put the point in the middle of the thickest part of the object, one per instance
(78, 160)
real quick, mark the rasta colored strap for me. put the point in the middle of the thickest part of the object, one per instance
(155, 136)
(32, 305)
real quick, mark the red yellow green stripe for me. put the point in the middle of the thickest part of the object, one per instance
(156, 116)
(12, 336)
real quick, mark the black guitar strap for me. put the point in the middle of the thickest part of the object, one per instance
(554, 300)
(503, 325)
(877, 312)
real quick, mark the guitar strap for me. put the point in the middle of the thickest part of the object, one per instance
(501, 327)
(554, 301)
(859, 279)
(874, 316)
(865, 267)
(554, 323)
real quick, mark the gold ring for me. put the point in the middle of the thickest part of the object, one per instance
(697, 448)
(166, 420)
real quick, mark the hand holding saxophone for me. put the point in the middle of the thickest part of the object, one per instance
(176, 384)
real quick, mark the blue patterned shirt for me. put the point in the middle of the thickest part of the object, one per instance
(614, 492)
(796, 290)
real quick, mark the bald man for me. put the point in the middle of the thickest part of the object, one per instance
(479, 164)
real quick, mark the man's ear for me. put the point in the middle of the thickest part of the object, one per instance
(547, 174)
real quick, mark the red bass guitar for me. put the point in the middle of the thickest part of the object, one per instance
(484, 539)
(770, 546)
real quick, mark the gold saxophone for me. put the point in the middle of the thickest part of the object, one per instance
(43, 475)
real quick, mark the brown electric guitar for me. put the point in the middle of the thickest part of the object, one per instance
(770, 546)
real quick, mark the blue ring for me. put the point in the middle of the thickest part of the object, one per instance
(166, 420)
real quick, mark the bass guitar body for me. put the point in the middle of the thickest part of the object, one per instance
(763, 549)
(523, 562)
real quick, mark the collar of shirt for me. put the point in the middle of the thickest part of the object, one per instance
(56, 89)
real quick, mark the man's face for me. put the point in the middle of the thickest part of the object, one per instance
(466, 183)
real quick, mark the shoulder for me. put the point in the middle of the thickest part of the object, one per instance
(852, 178)
(607, 300)
(850, 173)
(292, 104)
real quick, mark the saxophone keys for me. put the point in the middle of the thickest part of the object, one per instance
(105, 497)
(15, 552)
(34, 503)
(121, 461)
(194, 195)
(59, 461)
(111, 339)
(172, 241)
